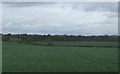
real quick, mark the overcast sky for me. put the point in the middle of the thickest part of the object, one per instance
(90, 18)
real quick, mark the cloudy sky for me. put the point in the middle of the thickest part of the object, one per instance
(88, 18)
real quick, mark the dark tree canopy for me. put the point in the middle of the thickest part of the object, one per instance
(49, 38)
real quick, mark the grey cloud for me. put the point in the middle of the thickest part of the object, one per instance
(25, 4)
(60, 18)
(97, 6)
(109, 6)
(88, 6)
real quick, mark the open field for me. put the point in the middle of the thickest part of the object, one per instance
(18, 57)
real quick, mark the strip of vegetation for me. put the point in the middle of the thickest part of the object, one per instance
(74, 45)
(50, 43)
(33, 39)
(36, 37)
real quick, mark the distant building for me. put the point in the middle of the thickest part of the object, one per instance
(13, 39)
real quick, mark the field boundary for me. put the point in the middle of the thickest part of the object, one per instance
(76, 46)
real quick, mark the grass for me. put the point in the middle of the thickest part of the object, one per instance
(30, 58)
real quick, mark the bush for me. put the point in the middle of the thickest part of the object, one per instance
(50, 42)
(28, 40)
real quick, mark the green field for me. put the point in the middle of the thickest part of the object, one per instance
(19, 57)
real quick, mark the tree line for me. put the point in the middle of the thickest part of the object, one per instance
(36, 37)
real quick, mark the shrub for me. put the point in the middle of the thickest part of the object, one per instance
(28, 40)
(50, 42)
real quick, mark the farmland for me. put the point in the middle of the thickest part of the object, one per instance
(20, 57)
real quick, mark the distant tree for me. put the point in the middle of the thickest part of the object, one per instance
(0, 36)
(9, 34)
(49, 40)
(28, 40)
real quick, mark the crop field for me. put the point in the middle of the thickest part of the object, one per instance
(20, 57)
